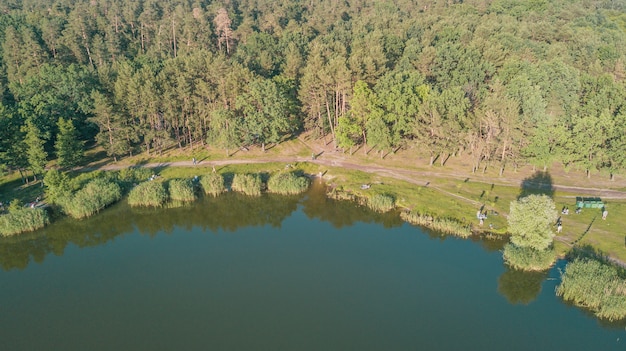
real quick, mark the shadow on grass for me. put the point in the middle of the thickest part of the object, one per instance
(539, 183)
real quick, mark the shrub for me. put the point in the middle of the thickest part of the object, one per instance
(444, 225)
(381, 202)
(527, 258)
(596, 286)
(20, 220)
(249, 184)
(181, 190)
(150, 193)
(212, 184)
(287, 183)
(96, 195)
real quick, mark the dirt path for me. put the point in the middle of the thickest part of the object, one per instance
(423, 178)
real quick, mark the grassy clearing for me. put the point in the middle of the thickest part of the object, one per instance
(181, 190)
(148, 194)
(21, 220)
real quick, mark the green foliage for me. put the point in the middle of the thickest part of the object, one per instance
(596, 286)
(212, 184)
(37, 156)
(94, 196)
(148, 194)
(530, 222)
(444, 225)
(68, 147)
(249, 184)
(287, 183)
(58, 185)
(381, 202)
(22, 220)
(181, 190)
(527, 258)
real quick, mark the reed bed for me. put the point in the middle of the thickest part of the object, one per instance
(381, 202)
(287, 183)
(181, 190)
(148, 194)
(528, 259)
(23, 220)
(445, 225)
(594, 285)
(212, 184)
(94, 196)
(249, 184)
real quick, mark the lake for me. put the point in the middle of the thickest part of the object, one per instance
(276, 273)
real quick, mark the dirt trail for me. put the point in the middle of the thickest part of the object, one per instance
(424, 178)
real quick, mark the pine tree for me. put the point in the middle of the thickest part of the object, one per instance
(68, 147)
(36, 153)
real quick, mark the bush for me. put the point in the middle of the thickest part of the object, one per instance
(96, 195)
(20, 220)
(287, 183)
(249, 184)
(527, 258)
(212, 184)
(381, 202)
(150, 193)
(596, 286)
(444, 225)
(181, 190)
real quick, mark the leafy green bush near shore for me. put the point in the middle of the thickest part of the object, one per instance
(212, 184)
(23, 219)
(96, 195)
(287, 183)
(150, 193)
(596, 286)
(181, 190)
(528, 259)
(445, 225)
(249, 184)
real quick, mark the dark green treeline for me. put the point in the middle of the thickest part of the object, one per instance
(505, 83)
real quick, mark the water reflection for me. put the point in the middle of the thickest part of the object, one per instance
(520, 287)
(228, 212)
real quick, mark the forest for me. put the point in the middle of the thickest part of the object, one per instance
(505, 83)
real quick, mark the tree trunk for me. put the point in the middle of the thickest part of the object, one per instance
(263, 147)
(432, 160)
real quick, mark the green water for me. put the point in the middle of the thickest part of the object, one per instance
(275, 273)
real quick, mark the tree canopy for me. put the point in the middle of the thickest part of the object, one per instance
(506, 83)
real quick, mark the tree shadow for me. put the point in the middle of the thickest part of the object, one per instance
(539, 183)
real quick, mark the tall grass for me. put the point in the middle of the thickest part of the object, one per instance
(212, 184)
(381, 202)
(249, 184)
(445, 225)
(150, 193)
(287, 183)
(596, 286)
(181, 190)
(23, 220)
(528, 259)
(94, 196)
